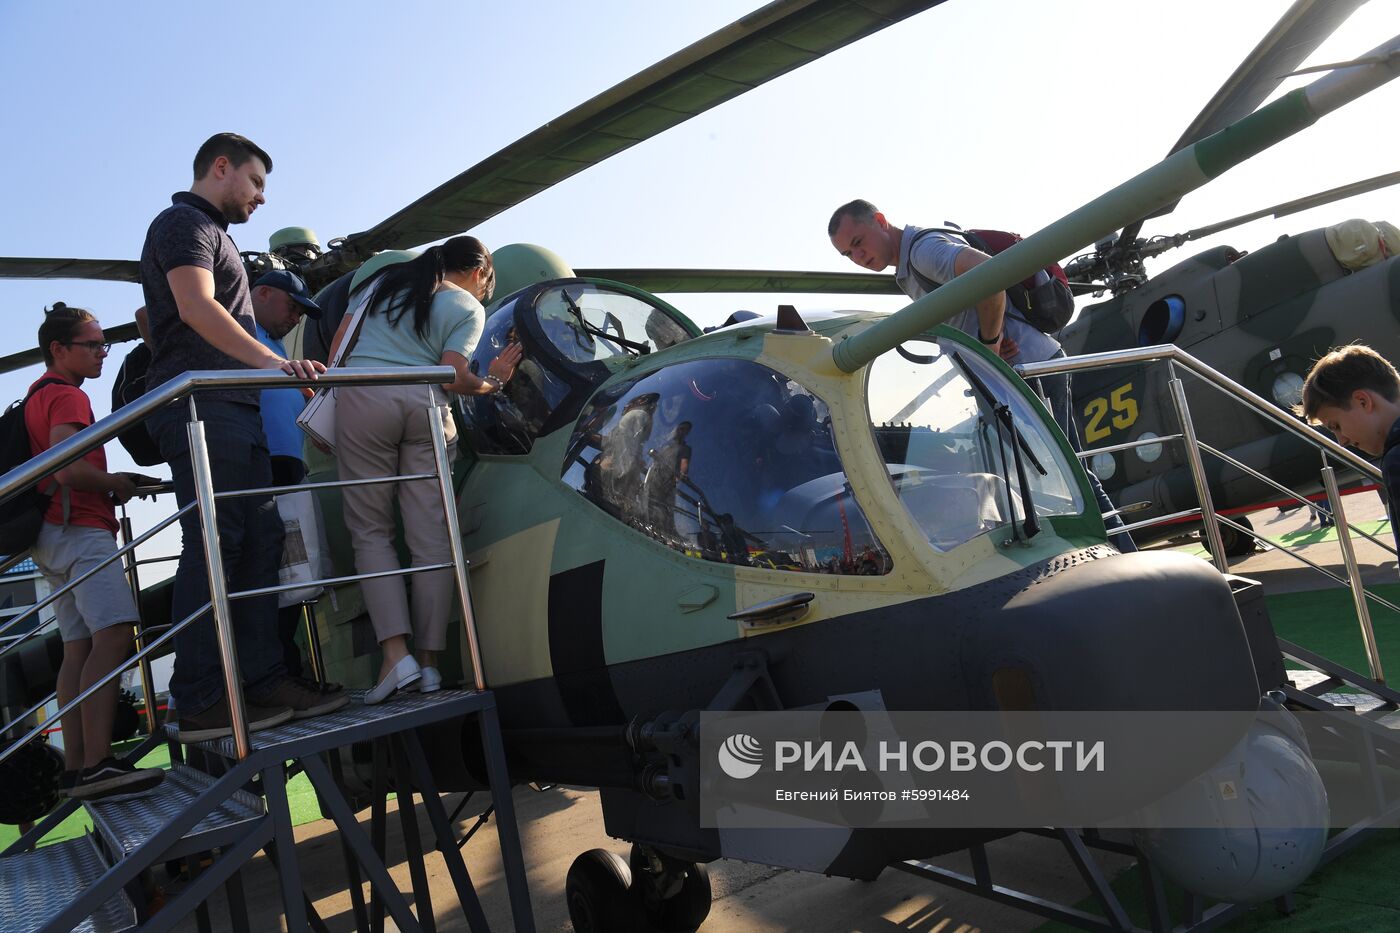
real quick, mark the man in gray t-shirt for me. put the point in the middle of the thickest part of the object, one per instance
(924, 257)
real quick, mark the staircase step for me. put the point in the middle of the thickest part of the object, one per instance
(355, 722)
(126, 825)
(36, 885)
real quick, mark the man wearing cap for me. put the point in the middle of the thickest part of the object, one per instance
(280, 299)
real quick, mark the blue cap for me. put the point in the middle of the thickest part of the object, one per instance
(293, 285)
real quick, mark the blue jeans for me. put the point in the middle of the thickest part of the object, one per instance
(1060, 400)
(250, 542)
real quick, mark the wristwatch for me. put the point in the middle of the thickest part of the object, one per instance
(987, 341)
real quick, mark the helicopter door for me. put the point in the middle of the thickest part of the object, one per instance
(575, 334)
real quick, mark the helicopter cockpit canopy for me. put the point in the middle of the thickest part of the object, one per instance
(950, 457)
(724, 460)
(575, 334)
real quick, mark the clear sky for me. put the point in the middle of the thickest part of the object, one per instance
(994, 113)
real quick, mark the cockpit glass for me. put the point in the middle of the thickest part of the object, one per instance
(949, 456)
(724, 460)
(568, 332)
(587, 322)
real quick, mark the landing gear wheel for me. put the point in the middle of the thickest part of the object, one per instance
(676, 902)
(1236, 543)
(598, 895)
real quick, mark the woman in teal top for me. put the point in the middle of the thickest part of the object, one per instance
(424, 312)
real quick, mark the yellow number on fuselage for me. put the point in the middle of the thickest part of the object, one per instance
(1123, 406)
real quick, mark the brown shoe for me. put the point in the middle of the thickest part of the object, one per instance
(213, 723)
(305, 698)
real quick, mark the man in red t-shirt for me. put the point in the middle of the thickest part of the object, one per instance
(95, 617)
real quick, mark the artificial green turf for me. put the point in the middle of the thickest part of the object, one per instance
(1324, 621)
(1357, 891)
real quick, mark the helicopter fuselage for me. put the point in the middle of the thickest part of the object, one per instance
(1260, 319)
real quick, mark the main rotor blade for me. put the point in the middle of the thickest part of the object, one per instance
(763, 45)
(112, 270)
(740, 280)
(16, 361)
(1296, 35)
(1298, 204)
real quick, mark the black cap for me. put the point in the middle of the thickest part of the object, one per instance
(293, 285)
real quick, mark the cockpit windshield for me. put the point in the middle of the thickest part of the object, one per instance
(951, 457)
(574, 335)
(587, 322)
(724, 460)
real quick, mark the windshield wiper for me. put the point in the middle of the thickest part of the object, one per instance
(1030, 525)
(594, 330)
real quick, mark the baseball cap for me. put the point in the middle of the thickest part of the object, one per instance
(293, 285)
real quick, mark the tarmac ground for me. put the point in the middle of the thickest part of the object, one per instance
(558, 824)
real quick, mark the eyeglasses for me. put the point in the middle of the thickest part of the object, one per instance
(96, 346)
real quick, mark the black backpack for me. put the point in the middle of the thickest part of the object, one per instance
(129, 386)
(21, 515)
(1045, 305)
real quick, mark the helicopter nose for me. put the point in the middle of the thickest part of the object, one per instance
(1145, 631)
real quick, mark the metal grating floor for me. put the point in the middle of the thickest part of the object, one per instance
(35, 886)
(1360, 701)
(127, 824)
(334, 729)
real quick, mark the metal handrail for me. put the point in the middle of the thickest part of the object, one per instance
(101, 431)
(1261, 406)
(78, 580)
(102, 682)
(1174, 356)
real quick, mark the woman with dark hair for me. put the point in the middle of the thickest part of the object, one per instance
(424, 312)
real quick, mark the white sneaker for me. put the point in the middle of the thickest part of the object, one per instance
(400, 676)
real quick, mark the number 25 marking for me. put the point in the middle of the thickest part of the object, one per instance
(1124, 407)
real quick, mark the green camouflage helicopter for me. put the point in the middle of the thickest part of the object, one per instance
(1261, 319)
(783, 513)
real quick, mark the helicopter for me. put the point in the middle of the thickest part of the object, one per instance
(1260, 318)
(821, 544)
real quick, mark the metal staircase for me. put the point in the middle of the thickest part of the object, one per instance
(95, 882)
(1367, 710)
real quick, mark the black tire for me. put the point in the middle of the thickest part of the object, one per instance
(29, 783)
(597, 891)
(682, 912)
(1236, 543)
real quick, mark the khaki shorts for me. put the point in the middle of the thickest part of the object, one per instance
(103, 599)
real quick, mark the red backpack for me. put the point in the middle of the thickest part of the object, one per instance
(1044, 301)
